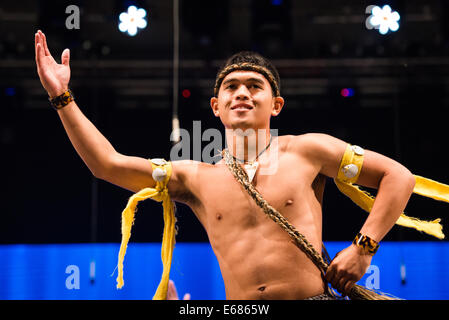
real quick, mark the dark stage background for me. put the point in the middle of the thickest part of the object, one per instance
(124, 85)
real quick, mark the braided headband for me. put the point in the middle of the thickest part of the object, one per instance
(247, 66)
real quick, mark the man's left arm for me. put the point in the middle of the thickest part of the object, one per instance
(395, 185)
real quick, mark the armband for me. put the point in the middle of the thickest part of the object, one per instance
(351, 164)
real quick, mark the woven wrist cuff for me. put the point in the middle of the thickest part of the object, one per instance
(369, 245)
(61, 101)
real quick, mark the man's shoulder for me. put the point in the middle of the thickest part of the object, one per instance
(189, 169)
(189, 165)
(308, 141)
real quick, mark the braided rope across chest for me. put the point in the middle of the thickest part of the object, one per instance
(357, 292)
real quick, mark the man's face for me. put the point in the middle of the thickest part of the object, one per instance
(245, 100)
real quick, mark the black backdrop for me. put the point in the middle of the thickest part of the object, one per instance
(399, 108)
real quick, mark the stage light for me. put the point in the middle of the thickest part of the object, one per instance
(383, 19)
(347, 92)
(186, 93)
(132, 20)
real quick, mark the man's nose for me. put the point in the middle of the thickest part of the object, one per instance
(242, 93)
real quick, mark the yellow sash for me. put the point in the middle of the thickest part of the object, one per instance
(163, 170)
(348, 175)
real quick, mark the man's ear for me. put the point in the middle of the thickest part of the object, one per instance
(277, 106)
(214, 106)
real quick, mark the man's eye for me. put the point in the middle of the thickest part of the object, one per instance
(231, 86)
(255, 86)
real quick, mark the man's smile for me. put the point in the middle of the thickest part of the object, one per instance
(242, 107)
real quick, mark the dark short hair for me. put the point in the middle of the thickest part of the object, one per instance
(251, 61)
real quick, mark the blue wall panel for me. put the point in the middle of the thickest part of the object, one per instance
(39, 271)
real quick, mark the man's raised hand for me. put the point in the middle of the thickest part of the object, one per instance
(54, 76)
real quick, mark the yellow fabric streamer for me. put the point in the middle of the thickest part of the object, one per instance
(365, 201)
(161, 171)
(432, 189)
(425, 187)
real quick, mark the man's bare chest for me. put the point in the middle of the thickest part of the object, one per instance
(223, 199)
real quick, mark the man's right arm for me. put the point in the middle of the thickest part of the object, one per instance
(132, 173)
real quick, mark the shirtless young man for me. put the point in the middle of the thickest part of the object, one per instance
(257, 258)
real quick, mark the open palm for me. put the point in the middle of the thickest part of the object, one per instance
(54, 76)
